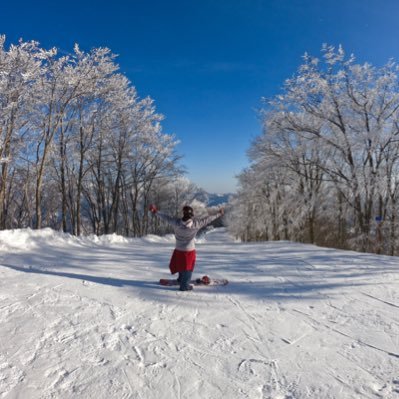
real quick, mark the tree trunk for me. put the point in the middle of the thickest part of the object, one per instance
(64, 207)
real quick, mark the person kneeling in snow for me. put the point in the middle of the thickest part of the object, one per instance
(184, 255)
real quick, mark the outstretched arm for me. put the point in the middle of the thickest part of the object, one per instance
(168, 219)
(199, 223)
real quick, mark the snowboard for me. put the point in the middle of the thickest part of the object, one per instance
(205, 280)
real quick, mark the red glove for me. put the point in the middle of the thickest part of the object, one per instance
(153, 208)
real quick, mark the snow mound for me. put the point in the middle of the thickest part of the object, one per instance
(167, 239)
(29, 239)
(107, 239)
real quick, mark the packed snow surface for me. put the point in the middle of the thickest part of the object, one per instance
(85, 318)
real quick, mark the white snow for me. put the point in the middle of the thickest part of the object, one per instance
(84, 318)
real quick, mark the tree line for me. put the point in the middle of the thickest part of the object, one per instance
(325, 169)
(80, 151)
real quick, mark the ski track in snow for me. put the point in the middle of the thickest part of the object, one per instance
(84, 318)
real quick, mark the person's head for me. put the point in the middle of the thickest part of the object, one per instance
(188, 212)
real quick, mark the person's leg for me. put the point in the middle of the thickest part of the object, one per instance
(185, 278)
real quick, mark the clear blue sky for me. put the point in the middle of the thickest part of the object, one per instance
(207, 63)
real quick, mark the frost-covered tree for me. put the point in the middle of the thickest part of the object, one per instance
(54, 91)
(99, 85)
(79, 149)
(126, 163)
(334, 129)
(20, 68)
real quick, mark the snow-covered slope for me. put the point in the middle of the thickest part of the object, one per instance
(84, 318)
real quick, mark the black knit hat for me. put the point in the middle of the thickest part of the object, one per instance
(188, 211)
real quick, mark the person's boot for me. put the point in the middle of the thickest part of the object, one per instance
(185, 278)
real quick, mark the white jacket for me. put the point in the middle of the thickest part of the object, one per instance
(185, 231)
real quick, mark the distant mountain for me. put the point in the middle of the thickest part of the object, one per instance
(218, 199)
(212, 199)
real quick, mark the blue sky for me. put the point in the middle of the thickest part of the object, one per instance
(207, 63)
